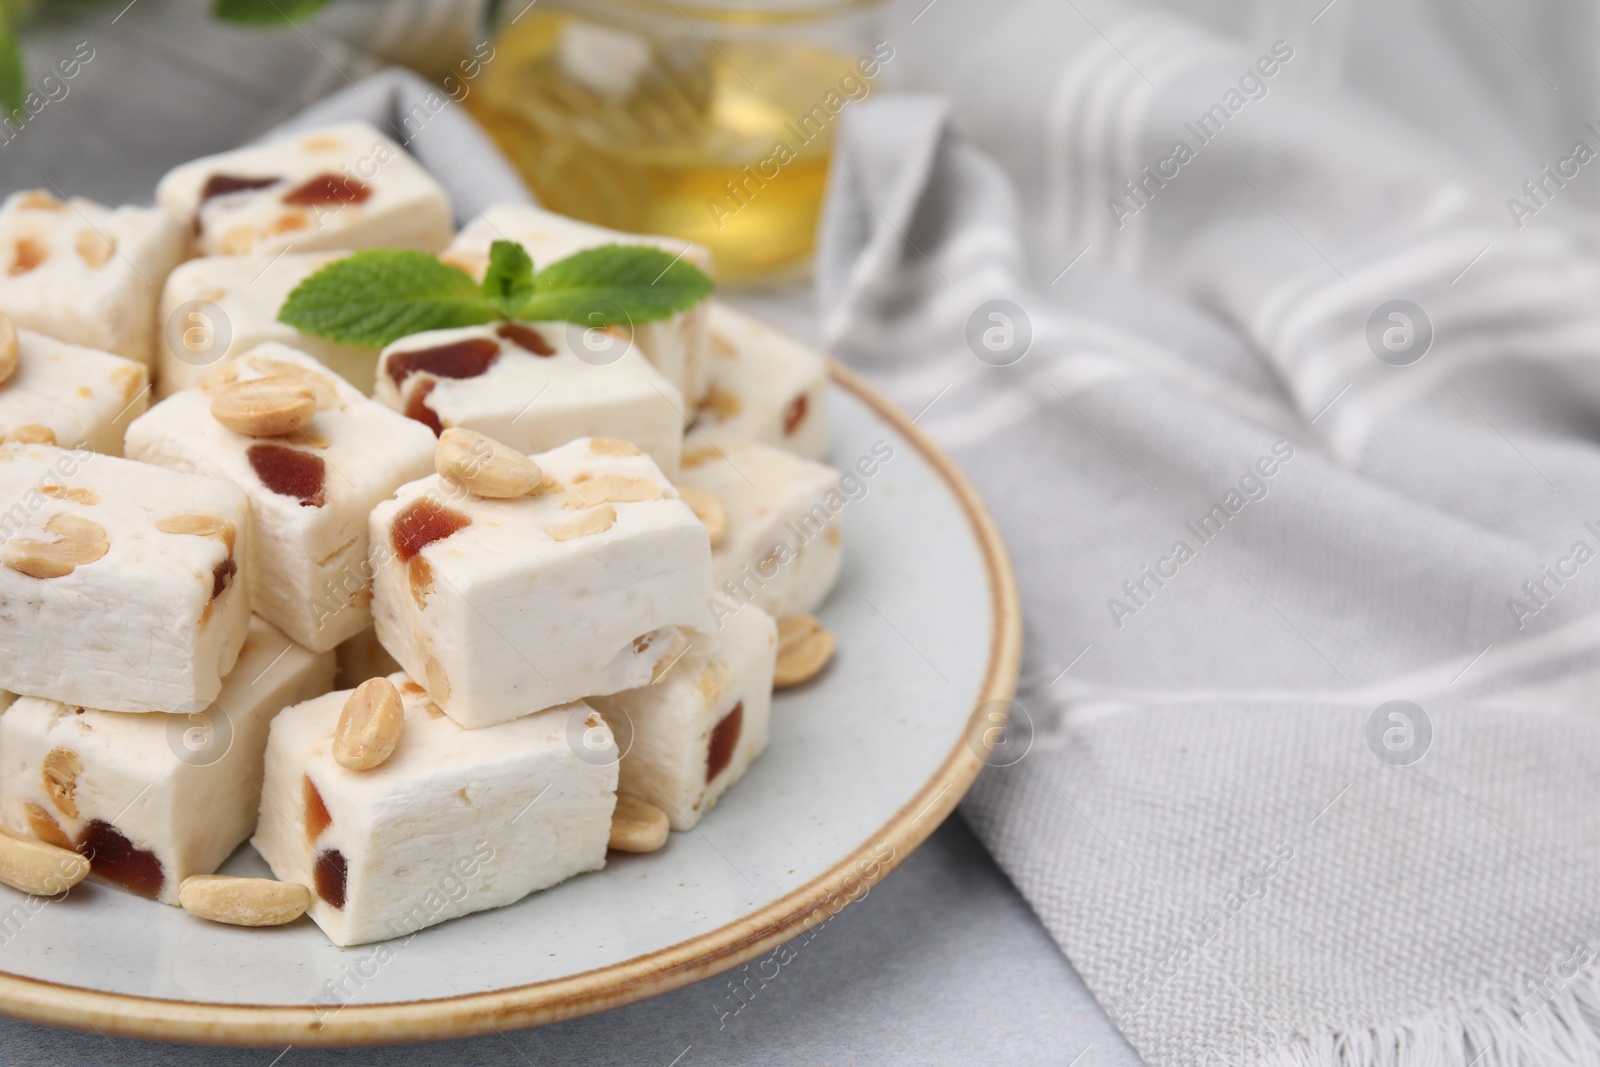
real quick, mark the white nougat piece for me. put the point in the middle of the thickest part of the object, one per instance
(502, 607)
(310, 492)
(454, 821)
(342, 186)
(216, 308)
(781, 550)
(149, 616)
(84, 273)
(676, 345)
(153, 799)
(765, 386)
(68, 395)
(686, 739)
(522, 384)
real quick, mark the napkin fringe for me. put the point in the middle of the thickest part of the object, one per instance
(1554, 1023)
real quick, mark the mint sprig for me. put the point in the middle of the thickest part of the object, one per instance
(375, 297)
(508, 282)
(615, 285)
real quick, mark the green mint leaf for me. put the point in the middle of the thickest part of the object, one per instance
(265, 12)
(11, 71)
(378, 296)
(375, 297)
(509, 280)
(614, 285)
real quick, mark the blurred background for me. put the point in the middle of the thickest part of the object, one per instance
(636, 113)
(648, 116)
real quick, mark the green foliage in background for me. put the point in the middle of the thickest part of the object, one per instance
(13, 76)
(265, 12)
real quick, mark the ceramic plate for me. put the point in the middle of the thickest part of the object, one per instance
(863, 764)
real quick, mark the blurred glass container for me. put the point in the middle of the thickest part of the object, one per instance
(429, 36)
(711, 121)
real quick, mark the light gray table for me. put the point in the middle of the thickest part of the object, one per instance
(942, 963)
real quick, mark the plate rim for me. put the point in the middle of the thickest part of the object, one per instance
(640, 977)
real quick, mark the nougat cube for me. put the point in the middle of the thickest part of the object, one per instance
(523, 385)
(118, 580)
(690, 736)
(502, 607)
(153, 799)
(454, 821)
(341, 186)
(84, 273)
(216, 308)
(676, 345)
(782, 548)
(766, 386)
(65, 394)
(310, 492)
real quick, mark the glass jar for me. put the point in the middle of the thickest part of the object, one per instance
(711, 121)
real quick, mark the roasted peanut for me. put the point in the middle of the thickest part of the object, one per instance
(37, 868)
(223, 898)
(483, 466)
(637, 825)
(720, 404)
(594, 521)
(30, 433)
(8, 349)
(610, 446)
(265, 407)
(708, 509)
(200, 526)
(60, 773)
(804, 648)
(610, 489)
(320, 384)
(77, 494)
(369, 725)
(77, 541)
(94, 247)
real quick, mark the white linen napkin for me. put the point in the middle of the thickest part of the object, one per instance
(1310, 577)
